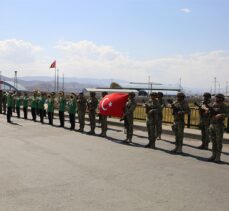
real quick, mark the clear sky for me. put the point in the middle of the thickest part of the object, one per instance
(125, 39)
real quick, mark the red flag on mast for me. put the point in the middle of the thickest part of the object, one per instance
(113, 104)
(53, 65)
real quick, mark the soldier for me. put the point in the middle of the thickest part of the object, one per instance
(14, 101)
(25, 105)
(180, 108)
(218, 112)
(34, 106)
(152, 111)
(160, 114)
(103, 120)
(82, 106)
(62, 104)
(129, 116)
(1, 96)
(204, 120)
(4, 101)
(40, 104)
(18, 104)
(92, 104)
(50, 103)
(72, 110)
(9, 106)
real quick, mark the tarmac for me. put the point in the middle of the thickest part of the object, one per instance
(45, 167)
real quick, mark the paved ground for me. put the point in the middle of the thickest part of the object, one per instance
(50, 168)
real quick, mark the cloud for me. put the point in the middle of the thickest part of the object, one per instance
(87, 59)
(185, 10)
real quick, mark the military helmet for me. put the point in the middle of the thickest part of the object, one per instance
(181, 94)
(160, 94)
(153, 94)
(221, 96)
(131, 94)
(207, 94)
(104, 93)
(92, 94)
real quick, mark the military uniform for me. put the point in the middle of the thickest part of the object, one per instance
(92, 104)
(25, 106)
(152, 111)
(18, 105)
(180, 108)
(9, 106)
(160, 117)
(218, 112)
(204, 123)
(72, 111)
(129, 117)
(82, 106)
(62, 104)
(103, 119)
(1, 96)
(4, 101)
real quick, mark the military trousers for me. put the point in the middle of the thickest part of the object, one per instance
(103, 120)
(178, 129)
(216, 136)
(129, 124)
(159, 124)
(92, 120)
(204, 125)
(152, 131)
(81, 117)
(4, 107)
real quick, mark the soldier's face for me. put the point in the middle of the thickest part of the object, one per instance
(218, 100)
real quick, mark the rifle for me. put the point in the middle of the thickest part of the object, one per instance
(175, 109)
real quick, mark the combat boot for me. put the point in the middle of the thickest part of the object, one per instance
(217, 158)
(152, 145)
(147, 145)
(179, 150)
(174, 150)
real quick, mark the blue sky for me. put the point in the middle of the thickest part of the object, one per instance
(139, 30)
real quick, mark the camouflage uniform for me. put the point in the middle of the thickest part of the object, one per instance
(92, 104)
(180, 108)
(1, 96)
(216, 128)
(82, 106)
(129, 116)
(204, 123)
(160, 117)
(18, 104)
(152, 111)
(103, 119)
(4, 100)
(72, 108)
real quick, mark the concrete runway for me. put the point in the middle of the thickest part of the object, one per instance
(50, 168)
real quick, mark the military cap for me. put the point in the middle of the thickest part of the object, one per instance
(92, 94)
(220, 96)
(207, 94)
(160, 94)
(181, 94)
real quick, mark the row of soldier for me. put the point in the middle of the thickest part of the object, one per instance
(212, 115)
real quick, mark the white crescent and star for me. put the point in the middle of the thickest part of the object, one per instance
(109, 104)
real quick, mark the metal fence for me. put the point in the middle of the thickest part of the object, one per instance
(191, 120)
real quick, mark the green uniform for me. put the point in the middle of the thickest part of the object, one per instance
(179, 111)
(92, 104)
(82, 106)
(25, 102)
(1, 96)
(34, 107)
(152, 111)
(9, 107)
(4, 101)
(129, 118)
(216, 129)
(62, 105)
(50, 102)
(40, 103)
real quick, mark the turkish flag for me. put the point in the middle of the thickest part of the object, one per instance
(113, 104)
(53, 65)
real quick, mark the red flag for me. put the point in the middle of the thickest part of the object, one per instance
(113, 104)
(53, 65)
